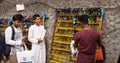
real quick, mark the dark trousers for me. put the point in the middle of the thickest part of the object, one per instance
(1, 47)
(1, 53)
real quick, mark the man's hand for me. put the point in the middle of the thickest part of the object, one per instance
(22, 43)
(39, 40)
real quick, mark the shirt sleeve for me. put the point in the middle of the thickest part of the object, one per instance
(76, 39)
(43, 33)
(30, 36)
(8, 36)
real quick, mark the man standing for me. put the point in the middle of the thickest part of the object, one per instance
(87, 38)
(36, 37)
(17, 43)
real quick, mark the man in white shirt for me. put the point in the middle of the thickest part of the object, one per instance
(36, 37)
(17, 43)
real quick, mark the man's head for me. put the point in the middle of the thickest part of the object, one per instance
(17, 20)
(37, 19)
(84, 19)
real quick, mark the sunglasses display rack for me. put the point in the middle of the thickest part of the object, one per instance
(65, 27)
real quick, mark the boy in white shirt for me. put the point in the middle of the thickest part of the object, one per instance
(36, 37)
(17, 43)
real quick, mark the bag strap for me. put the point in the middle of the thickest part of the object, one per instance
(13, 33)
(25, 48)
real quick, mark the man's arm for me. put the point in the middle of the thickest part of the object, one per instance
(76, 39)
(31, 38)
(8, 35)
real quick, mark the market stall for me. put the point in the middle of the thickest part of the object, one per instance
(66, 26)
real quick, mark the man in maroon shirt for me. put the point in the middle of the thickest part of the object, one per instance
(87, 38)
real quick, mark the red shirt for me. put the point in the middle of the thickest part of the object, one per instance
(87, 40)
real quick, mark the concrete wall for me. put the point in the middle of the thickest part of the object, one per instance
(111, 25)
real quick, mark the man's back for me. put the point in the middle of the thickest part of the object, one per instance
(87, 40)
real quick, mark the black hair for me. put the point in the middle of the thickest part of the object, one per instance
(18, 17)
(35, 16)
(84, 19)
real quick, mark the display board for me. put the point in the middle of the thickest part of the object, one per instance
(66, 26)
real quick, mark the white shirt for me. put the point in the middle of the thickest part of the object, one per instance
(17, 39)
(39, 50)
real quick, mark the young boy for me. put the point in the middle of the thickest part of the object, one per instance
(36, 37)
(17, 43)
(87, 38)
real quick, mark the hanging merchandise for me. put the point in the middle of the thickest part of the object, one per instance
(10, 21)
(103, 14)
(46, 16)
(74, 21)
